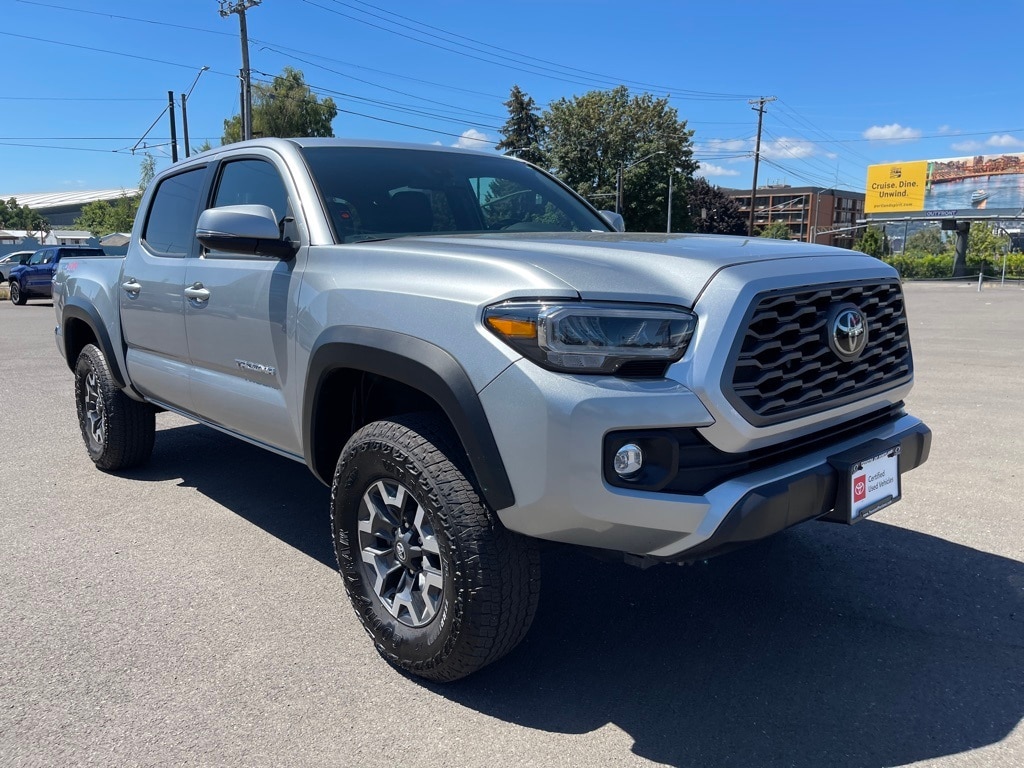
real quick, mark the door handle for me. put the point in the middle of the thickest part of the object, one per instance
(197, 293)
(131, 287)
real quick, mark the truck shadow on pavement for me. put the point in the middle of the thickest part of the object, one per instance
(825, 646)
(276, 494)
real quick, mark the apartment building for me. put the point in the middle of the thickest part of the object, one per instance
(813, 214)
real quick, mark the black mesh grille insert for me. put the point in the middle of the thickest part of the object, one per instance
(784, 367)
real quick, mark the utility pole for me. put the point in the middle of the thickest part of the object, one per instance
(227, 7)
(184, 123)
(174, 130)
(757, 155)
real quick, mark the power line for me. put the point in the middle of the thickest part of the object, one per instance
(112, 53)
(828, 137)
(805, 176)
(382, 87)
(71, 98)
(386, 105)
(126, 18)
(790, 147)
(533, 69)
(516, 57)
(282, 49)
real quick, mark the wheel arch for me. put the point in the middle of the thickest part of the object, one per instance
(81, 325)
(340, 359)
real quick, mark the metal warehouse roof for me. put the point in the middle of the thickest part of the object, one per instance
(43, 201)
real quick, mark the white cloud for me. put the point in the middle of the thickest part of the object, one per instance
(1004, 140)
(784, 148)
(725, 145)
(710, 169)
(998, 141)
(471, 138)
(892, 132)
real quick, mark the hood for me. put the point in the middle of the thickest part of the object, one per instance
(610, 266)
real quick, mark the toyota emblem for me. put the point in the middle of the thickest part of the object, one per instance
(849, 333)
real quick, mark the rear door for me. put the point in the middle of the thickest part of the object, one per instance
(242, 312)
(152, 290)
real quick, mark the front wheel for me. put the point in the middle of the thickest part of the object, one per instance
(119, 432)
(436, 580)
(17, 297)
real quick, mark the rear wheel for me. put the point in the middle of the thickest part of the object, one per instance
(119, 432)
(17, 297)
(436, 580)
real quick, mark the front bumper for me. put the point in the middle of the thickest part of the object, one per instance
(550, 430)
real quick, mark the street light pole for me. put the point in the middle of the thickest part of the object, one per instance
(184, 110)
(668, 225)
(619, 201)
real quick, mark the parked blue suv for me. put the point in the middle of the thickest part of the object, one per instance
(33, 280)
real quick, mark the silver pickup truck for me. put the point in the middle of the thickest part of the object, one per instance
(477, 360)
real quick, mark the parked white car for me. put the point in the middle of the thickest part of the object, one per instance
(10, 261)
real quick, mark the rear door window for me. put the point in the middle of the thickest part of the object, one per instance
(171, 222)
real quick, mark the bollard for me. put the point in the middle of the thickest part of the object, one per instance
(981, 276)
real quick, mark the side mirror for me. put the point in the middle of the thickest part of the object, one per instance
(24, 259)
(615, 219)
(249, 229)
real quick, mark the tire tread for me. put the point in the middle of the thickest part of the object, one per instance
(498, 570)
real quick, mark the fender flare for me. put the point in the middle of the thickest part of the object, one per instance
(422, 366)
(87, 313)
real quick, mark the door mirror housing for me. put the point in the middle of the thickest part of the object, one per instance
(248, 229)
(615, 219)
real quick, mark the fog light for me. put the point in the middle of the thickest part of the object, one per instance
(629, 459)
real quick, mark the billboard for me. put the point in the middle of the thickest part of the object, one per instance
(980, 186)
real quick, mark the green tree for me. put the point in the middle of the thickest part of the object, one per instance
(777, 230)
(872, 242)
(985, 246)
(14, 216)
(147, 170)
(709, 209)
(102, 217)
(523, 132)
(284, 108)
(590, 138)
(927, 240)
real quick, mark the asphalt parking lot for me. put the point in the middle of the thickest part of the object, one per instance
(190, 614)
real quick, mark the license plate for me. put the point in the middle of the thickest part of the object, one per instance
(873, 484)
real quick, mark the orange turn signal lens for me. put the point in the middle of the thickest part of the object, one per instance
(513, 327)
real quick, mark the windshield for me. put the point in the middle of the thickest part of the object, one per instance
(378, 193)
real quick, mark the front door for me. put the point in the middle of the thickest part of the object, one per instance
(36, 278)
(241, 314)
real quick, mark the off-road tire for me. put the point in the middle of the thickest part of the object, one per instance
(118, 431)
(489, 576)
(17, 295)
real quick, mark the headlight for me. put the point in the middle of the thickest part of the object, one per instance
(591, 338)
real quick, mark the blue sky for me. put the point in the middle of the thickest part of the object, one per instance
(856, 83)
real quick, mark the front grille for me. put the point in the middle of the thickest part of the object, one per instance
(784, 367)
